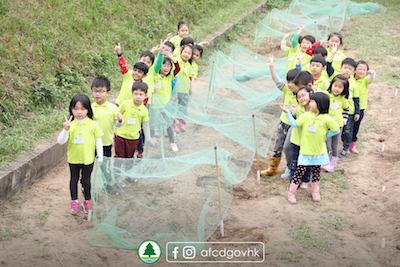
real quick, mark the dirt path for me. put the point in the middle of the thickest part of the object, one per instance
(356, 224)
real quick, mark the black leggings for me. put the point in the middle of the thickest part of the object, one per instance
(301, 170)
(76, 170)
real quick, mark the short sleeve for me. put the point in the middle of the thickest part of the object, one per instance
(145, 117)
(332, 124)
(302, 118)
(98, 132)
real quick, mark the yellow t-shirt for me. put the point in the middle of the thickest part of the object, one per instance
(337, 59)
(362, 85)
(292, 54)
(322, 84)
(183, 78)
(336, 106)
(163, 92)
(313, 132)
(133, 117)
(288, 101)
(176, 41)
(126, 88)
(295, 136)
(149, 80)
(354, 91)
(82, 141)
(195, 69)
(106, 115)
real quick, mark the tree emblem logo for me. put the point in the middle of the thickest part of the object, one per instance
(149, 251)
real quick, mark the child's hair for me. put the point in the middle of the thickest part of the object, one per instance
(320, 50)
(349, 61)
(345, 83)
(170, 45)
(319, 59)
(322, 100)
(309, 38)
(309, 90)
(85, 101)
(168, 59)
(182, 23)
(303, 78)
(362, 62)
(148, 54)
(141, 66)
(291, 75)
(101, 81)
(139, 85)
(199, 48)
(186, 41)
(336, 34)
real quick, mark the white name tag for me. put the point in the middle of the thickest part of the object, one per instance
(337, 57)
(132, 121)
(78, 140)
(157, 85)
(312, 128)
(335, 105)
(185, 70)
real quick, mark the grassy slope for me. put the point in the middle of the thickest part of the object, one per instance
(51, 50)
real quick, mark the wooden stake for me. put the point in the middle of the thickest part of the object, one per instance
(256, 148)
(219, 193)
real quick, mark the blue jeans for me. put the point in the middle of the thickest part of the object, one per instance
(356, 126)
(347, 133)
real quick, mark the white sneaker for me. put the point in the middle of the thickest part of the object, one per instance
(174, 147)
(286, 174)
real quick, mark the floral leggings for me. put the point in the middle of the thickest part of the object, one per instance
(301, 170)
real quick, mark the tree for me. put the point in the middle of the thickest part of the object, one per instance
(149, 251)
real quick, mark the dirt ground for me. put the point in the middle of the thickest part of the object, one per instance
(357, 223)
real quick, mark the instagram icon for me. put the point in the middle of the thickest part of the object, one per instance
(189, 252)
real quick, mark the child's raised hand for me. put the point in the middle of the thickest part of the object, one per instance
(284, 109)
(67, 122)
(118, 49)
(371, 72)
(286, 35)
(300, 29)
(169, 36)
(203, 43)
(270, 61)
(334, 48)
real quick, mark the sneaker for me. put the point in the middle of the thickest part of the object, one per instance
(75, 207)
(286, 174)
(131, 180)
(87, 205)
(174, 147)
(344, 152)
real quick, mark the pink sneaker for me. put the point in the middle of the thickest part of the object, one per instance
(87, 205)
(75, 207)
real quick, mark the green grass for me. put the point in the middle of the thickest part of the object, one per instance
(52, 50)
(375, 38)
(335, 181)
(318, 237)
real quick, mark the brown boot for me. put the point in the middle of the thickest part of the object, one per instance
(292, 193)
(315, 191)
(273, 166)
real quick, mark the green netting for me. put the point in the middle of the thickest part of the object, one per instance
(231, 118)
(319, 18)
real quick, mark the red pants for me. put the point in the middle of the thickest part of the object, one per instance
(125, 148)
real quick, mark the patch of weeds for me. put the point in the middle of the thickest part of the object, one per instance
(309, 238)
(290, 256)
(336, 180)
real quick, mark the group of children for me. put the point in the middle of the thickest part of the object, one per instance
(162, 75)
(325, 97)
